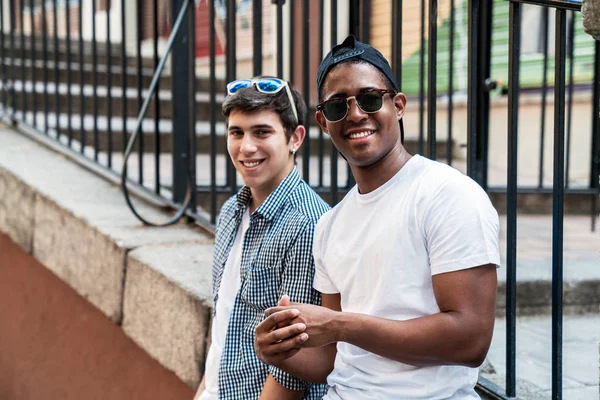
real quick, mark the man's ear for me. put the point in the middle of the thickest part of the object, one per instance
(322, 121)
(297, 137)
(400, 104)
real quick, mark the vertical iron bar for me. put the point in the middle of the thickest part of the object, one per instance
(191, 134)
(23, 75)
(13, 72)
(545, 17)
(124, 96)
(354, 18)
(69, 72)
(157, 103)
(365, 19)
(558, 202)
(473, 85)
(450, 148)
(33, 74)
(360, 21)
(182, 88)
(306, 86)
(231, 73)
(483, 70)
(350, 181)
(595, 159)
(397, 41)
(511, 194)
(81, 80)
(56, 60)
(431, 82)
(45, 52)
(292, 23)
(140, 19)
(4, 58)
(95, 79)
(109, 101)
(257, 37)
(280, 39)
(213, 106)
(333, 168)
(309, 117)
(571, 35)
(422, 82)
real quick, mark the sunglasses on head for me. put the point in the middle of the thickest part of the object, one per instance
(369, 101)
(264, 85)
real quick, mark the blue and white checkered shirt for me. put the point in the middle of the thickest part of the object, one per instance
(276, 260)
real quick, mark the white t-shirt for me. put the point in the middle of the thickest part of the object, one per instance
(379, 251)
(230, 285)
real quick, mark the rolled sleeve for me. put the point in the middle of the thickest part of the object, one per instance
(289, 381)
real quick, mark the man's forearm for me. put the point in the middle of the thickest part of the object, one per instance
(311, 364)
(442, 338)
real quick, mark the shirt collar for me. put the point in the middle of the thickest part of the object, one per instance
(269, 207)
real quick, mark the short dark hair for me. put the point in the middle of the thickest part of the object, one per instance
(251, 100)
(389, 85)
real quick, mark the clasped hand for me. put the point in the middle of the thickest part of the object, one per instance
(290, 327)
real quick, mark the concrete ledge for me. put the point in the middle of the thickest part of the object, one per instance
(535, 298)
(79, 227)
(168, 305)
(16, 210)
(90, 262)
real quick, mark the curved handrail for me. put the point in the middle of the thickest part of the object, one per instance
(153, 85)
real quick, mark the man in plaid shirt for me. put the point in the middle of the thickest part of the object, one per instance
(263, 244)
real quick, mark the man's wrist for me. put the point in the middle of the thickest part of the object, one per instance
(339, 326)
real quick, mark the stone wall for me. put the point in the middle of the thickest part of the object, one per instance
(153, 282)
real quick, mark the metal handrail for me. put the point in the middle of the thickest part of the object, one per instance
(153, 85)
(573, 5)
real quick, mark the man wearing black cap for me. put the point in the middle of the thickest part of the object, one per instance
(406, 262)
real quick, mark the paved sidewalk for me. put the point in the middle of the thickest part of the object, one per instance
(581, 337)
(581, 248)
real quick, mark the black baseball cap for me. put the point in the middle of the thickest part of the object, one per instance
(351, 48)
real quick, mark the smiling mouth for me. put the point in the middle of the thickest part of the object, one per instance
(360, 135)
(251, 164)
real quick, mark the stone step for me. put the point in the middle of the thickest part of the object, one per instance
(24, 50)
(25, 70)
(165, 129)
(46, 96)
(534, 357)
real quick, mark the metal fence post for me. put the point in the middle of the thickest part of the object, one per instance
(182, 124)
(478, 100)
(472, 104)
(595, 165)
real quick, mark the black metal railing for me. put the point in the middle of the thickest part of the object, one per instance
(98, 93)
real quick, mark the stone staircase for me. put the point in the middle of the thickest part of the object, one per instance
(63, 78)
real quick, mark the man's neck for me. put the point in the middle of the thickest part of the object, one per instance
(371, 177)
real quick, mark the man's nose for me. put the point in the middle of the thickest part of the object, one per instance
(355, 113)
(248, 145)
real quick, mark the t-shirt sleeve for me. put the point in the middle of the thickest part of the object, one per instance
(322, 281)
(461, 227)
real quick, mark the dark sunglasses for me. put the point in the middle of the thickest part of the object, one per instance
(369, 101)
(264, 85)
